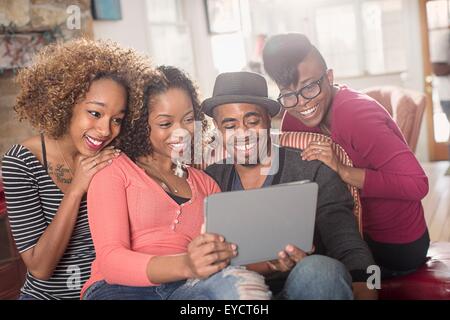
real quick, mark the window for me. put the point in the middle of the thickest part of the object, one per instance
(356, 37)
(337, 43)
(438, 14)
(228, 52)
(169, 35)
(383, 36)
(368, 41)
(228, 49)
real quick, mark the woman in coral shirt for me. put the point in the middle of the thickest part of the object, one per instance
(146, 221)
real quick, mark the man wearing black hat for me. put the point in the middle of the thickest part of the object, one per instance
(242, 112)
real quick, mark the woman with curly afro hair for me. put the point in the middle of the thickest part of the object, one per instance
(76, 95)
(146, 211)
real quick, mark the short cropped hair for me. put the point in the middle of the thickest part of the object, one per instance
(283, 53)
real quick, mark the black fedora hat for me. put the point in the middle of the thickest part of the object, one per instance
(240, 87)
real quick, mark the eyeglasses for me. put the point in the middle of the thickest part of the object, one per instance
(310, 91)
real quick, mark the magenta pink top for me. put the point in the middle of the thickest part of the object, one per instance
(395, 183)
(132, 219)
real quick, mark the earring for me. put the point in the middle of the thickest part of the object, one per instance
(179, 169)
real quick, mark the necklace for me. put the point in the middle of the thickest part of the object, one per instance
(161, 177)
(166, 186)
(64, 159)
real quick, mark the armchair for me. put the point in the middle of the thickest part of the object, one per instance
(431, 281)
(405, 106)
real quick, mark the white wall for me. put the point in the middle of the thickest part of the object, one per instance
(131, 31)
(195, 15)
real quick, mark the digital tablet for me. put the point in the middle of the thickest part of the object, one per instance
(261, 222)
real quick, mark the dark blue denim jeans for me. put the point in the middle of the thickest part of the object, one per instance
(232, 283)
(318, 277)
(314, 277)
(24, 296)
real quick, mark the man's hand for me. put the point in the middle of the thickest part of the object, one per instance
(287, 259)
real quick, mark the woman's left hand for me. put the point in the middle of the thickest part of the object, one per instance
(321, 150)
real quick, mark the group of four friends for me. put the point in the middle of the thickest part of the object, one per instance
(99, 208)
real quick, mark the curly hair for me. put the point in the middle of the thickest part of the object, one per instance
(135, 140)
(62, 73)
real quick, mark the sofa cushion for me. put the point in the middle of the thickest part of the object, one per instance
(430, 282)
(300, 140)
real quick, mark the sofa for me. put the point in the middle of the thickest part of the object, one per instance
(12, 268)
(431, 281)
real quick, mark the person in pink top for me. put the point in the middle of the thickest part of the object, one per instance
(391, 180)
(146, 218)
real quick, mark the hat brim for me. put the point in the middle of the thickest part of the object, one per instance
(272, 106)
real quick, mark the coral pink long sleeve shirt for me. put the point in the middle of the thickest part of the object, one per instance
(395, 183)
(132, 219)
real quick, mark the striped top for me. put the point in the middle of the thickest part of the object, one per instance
(32, 200)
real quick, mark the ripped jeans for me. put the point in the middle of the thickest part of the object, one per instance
(232, 283)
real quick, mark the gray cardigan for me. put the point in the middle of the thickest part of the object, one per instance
(336, 233)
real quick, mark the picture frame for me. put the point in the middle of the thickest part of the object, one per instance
(17, 50)
(106, 10)
(223, 16)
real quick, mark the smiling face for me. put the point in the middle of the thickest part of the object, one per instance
(312, 112)
(96, 120)
(245, 127)
(171, 121)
